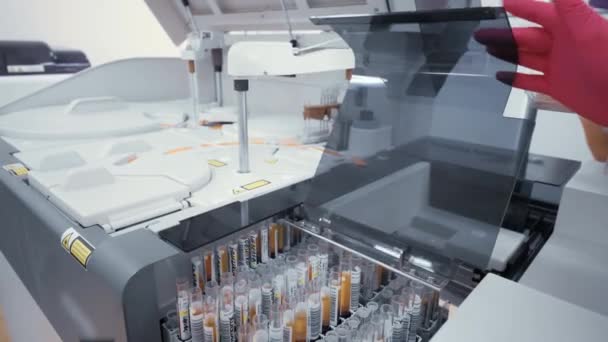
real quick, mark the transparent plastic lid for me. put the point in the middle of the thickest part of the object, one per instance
(421, 155)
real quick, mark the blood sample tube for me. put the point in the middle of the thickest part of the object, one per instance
(278, 282)
(300, 326)
(233, 254)
(210, 307)
(227, 320)
(267, 293)
(325, 307)
(183, 308)
(291, 275)
(273, 240)
(255, 297)
(241, 302)
(289, 319)
(335, 287)
(302, 268)
(197, 315)
(378, 327)
(258, 331)
(345, 281)
(355, 282)
(312, 261)
(210, 264)
(244, 254)
(314, 310)
(223, 259)
(253, 249)
(264, 248)
(275, 329)
(198, 272)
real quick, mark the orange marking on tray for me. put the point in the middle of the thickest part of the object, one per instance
(131, 159)
(359, 162)
(207, 145)
(179, 149)
(257, 141)
(166, 125)
(229, 143)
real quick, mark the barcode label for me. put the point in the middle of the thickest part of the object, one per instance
(198, 330)
(398, 332)
(197, 274)
(276, 335)
(227, 327)
(267, 297)
(334, 293)
(313, 262)
(233, 250)
(264, 242)
(287, 334)
(323, 266)
(314, 319)
(292, 283)
(253, 250)
(184, 317)
(355, 287)
(414, 319)
(244, 251)
(209, 334)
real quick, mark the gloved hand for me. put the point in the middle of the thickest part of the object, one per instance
(570, 49)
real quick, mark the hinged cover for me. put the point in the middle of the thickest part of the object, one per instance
(421, 154)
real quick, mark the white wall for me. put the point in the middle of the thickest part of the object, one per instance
(104, 29)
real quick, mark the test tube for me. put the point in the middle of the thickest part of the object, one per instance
(377, 327)
(386, 311)
(353, 323)
(302, 268)
(273, 240)
(385, 296)
(183, 308)
(227, 279)
(314, 310)
(368, 280)
(241, 302)
(323, 262)
(264, 248)
(253, 249)
(312, 260)
(325, 307)
(289, 319)
(227, 324)
(210, 308)
(255, 297)
(244, 254)
(372, 307)
(267, 293)
(363, 314)
(233, 254)
(275, 329)
(291, 275)
(331, 336)
(198, 273)
(335, 287)
(259, 329)
(343, 334)
(300, 326)
(209, 260)
(197, 315)
(278, 282)
(243, 333)
(223, 259)
(355, 282)
(345, 273)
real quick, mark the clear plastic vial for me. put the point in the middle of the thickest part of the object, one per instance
(183, 308)
(197, 315)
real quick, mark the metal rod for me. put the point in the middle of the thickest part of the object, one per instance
(194, 89)
(243, 133)
(436, 287)
(219, 91)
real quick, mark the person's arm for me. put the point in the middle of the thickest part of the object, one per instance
(597, 139)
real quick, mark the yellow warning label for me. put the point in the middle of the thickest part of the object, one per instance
(16, 169)
(81, 250)
(255, 185)
(65, 241)
(77, 246)
(216, 163)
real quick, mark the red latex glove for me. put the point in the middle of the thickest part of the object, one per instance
(570, 49)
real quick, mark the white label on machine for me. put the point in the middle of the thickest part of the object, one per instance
(24, 69)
